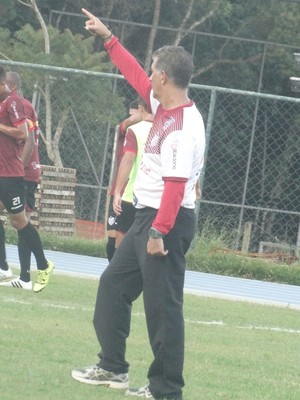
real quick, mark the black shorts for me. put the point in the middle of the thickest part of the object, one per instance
(111, 223)
(30, 189)
(12, 194)
(126, 218)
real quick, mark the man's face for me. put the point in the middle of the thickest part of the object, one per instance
(4, 89)
(156, 79)
(10, 82)
(9, 85)
(133, 111)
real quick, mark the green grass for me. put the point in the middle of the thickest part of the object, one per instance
(234, 350)
(68, 244)
(201, 257)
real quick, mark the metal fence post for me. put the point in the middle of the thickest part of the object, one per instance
(208, 129)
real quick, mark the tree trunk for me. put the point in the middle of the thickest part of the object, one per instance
(51, 146)
(152, 35)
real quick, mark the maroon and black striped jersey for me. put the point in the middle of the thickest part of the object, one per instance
(12, 113)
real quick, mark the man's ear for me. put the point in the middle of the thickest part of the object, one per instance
(164, 77)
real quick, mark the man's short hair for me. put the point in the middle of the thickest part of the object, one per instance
(14, 78)
(177, 63)
(2, 74)
(138, 102)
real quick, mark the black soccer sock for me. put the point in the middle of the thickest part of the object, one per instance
(31, 238)
(3, 262)
(110, 247)
(24, 257)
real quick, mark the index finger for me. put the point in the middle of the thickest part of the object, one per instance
(87, 13)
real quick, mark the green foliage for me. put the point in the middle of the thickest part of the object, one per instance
(4, 42)
(8, 13)
(270, 20)
(208, 255)
(219, 8)
(67, 49)
(88, 96)
(74, 244)
(204, 256)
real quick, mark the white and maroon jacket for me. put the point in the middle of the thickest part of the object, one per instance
(174, 152)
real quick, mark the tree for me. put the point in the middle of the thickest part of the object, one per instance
(213, 31)
(67, 50)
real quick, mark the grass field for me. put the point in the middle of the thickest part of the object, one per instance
(234, 350)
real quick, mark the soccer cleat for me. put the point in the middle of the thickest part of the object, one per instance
(142, 392)
(95, 375)
(42, 277)
(5, 274)
(17, 283)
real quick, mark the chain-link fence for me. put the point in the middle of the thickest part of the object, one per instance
(228, 61)
(252, 168)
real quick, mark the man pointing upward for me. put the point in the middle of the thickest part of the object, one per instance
(151, 257)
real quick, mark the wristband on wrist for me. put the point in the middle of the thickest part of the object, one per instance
(108, 37)
(155, 234)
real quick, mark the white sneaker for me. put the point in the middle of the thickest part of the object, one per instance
(4, 274)
(17, 283)
(142, 392)
(95, 375)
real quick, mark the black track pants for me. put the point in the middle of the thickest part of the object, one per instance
(161, 279)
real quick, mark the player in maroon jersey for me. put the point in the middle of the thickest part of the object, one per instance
(30, 157)
(13, 129)
(112, 227)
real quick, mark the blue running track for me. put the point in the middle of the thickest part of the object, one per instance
(198, 283)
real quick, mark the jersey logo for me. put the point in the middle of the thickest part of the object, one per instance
(35, 165)
(14, 107)
(174, 148)
(111, 220)
(168, 123)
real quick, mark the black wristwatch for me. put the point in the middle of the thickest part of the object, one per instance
(155, 234)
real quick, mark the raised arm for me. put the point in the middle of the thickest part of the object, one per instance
(95, 26)
(122, 59)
